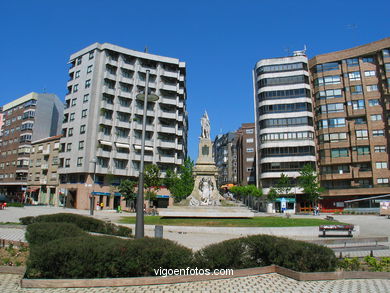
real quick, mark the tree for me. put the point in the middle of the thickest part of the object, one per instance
(310, 184)
(272, 194)
(180, 185)
(152, 181)
(127, 189)
(283, 188)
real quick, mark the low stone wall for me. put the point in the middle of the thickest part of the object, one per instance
(12, 270)
(140, 281)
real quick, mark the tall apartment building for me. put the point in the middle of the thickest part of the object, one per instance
(42, 172)
(225, 157)
(103, 119)
(246, 154)
(352, 104)
(284, 118)
(29, 118)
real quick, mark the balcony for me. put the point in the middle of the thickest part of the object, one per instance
(103, 120)
(122, 139)
(46, 151)
(169, 87)
(44, 166)
(122, 124)
(108, 90)
(167, 144)
(139, 111)
(108, 106)
(149, 127)
(167, 129)
(107, 137)
(126, 65)
(164, 159)
(168, 100)
(169, 73)
(102, 153)
(122, 156)
(168, 115)
(43, 181)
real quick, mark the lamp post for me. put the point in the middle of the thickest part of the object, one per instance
(92, 198)
(145, 97)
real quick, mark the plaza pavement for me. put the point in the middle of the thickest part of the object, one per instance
(369, 226)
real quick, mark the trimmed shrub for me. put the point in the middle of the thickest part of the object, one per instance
(263, 250)
(40, 233)
(85, 223)
(105, 257)
(15, 204)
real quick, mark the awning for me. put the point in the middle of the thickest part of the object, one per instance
(104, 142)
(117, 194)
(162, 196)
(122, 145)
(147, 148)
(286, 199)
(101, 193)
(32, 189)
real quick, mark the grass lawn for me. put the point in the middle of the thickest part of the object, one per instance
(254, 222)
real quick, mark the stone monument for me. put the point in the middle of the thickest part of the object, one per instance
(205, 192)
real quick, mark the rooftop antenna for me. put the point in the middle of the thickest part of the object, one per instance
(146, 50)
(301, 52)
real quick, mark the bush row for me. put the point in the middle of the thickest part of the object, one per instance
(87, 256)
(83, 222)
(104, 257)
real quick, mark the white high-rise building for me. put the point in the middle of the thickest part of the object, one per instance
(284, 119)
(103, 119)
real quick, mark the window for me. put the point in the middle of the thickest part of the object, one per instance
(85, 98)
(382, 180)
(357, 104)
(386, 52)
(79, 161)
(91, 55)
(369, 73)
(338, 153)
(387, 67)
(380, 149)
(81, 145)
(89, 69)
(361, 134)
(249, 131)
(284, 94)
(282, 67)
(329, 123)
(87, 83)
(75, 88)
(331, 108)
(355, 90)
(378, 133)
(74, 102)
(376, 117)
(368, 59)
(70, 132)
(250, 159)
(381, 165)
(84, 113)
(79, 61)
(249, 140)
(351, 62)
(332, 137)
(68, 147)
(372, 88)
(362, 150)
(67, 163)
(329, 94)
(71, 118)
(353, 76)
(326, 67)
(82, 129)
(249, 150)
(373, 102)
(77, 74)
(334, 79)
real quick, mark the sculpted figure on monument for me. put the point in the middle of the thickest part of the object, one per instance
(205, 188)
(205, 123)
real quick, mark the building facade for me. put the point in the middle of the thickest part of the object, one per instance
(42, 172)
(103, 120)
(246, 154)
(29, 118)
(284, 119)
(225, 157)
(351, 95)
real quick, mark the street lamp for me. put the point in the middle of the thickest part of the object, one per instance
(139, 223)
(92, 198)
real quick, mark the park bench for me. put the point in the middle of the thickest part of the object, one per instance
(325, 228)
(356, 244)
(330, 218)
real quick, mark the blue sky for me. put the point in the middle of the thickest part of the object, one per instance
(219, 40)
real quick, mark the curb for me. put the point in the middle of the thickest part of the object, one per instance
(141, 281)
(12, 270)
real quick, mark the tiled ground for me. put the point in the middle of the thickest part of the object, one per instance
(262, 283)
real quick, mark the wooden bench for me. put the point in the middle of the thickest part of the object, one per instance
(356, 244)
(325, 228)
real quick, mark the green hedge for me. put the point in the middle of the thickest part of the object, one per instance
(105, 257)
(263, 250)
(85, 223)
(40, 233)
